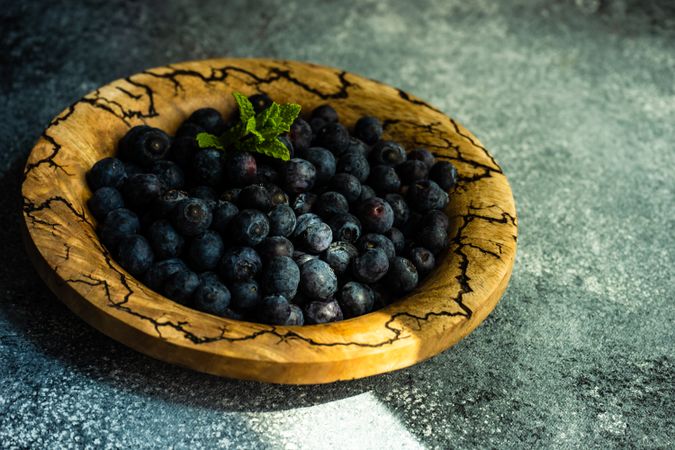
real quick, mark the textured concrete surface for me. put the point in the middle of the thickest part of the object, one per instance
(576, 101)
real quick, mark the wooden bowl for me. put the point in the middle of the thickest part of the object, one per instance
(61, 239)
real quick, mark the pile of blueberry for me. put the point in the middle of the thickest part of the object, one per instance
(346, 226)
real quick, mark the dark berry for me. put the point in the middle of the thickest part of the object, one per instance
(412, 170)
(104, 200)
(388, 153)
(347, 185)
(191, 216)
(325, 112)
(299, 175)
(435, 239)
(368, 129)
(223, 213)
(423, 260)
(376, 215)
(205, 193)
(424, 155)
(282, 221)
(275, 310)
(316, 237)
(275, 246)
(304, 202)
(165, 241)
(397, 238)
(160, 271)
(366, 193)
(183, 149)
(444, 174)
(164, 204)
(334, 136)
(400, 208)
(345, 227)
(231, 195)
(354, 164)
(436, 219)
(426, 195)
(204, 251)
(118, 224)
(207, 167)
(245, 294)
(240, 264)
(249, 227)
(141, 189)
(267, 174)
(373, 240)
(316, 123)
(260, 102)
(370, 266)
(356, 299)
(289, 145)
(412, 225)
(281, 276)
(323, 161)
(301, 258)
(303, 221)
(331, 203)
(125, 145)
(169, 173)
(180, 286)
(107, 172)
(300, 134)
(132, 169)
(254, 196)
(241, 169)
(317, 279)
(212, 296)
(339, 255)
(323, 312)
(188, 130)
(384, 179)
(277, 194)
(146, 146)
(208, 119)
(134, 254)
(402, 276)
(357, 146)
(296, 317)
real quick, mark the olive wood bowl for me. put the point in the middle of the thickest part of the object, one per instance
(60, 232)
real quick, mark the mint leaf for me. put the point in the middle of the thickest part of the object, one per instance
(288, 113)
(208, 140)
(274, 148)
(246, 110)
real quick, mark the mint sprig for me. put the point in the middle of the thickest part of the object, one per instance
(257, 133)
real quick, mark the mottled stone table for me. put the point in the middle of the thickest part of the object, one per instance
(576, 103)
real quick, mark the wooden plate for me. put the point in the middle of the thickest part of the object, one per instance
(61, 239)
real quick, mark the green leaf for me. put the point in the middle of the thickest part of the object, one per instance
(208, 140)
(246, 110)
(274, 148)
(288, 113)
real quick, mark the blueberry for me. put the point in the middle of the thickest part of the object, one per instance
(373, 240)
(303, 221)
(281, 276)
(433, 238)
(444, 174)
(316, 237)
(208, 119)
(323, 312)
(260, 102)
(277, 194)
(207, 167)
(366, 193)
(223, 213)
(146, 146)
(426, 195)
(400, 208)
(424, 155)
(241, 169)
(249, 227)
(296, 317)
(134, 254)
(412, 225)
(275, 310)
(368, 129)
(323, 161)
(191, 216)
(165, 240)
(317, 279)
(355, 164)
(118, 224)
(299, 175)
(160, 271)
(206, 193)
(108, 172)
(239, 264)
(397, 238)
(183, 149)
(412, 170)
(304, 202)
(384, 179)
(331, 203)
(423, 260)
(347, 185)
(104, 200)
(301, 258)
(231, 195)
(131, 169)
(125, 145)
(212, 296)
(402, 276)
(316, 123)
(357, 146)
(356, 299)
(189, 130)
(245, 294)
(333, 136)
(232, 314)
(300, 134)
(370, 266)
(169, 173)
(275, 246)
(282, 221)
(180, 286)
(436, 219)
(254, 196)
(339, 255)
(289, 145)
(376, 215)
(345, 227)
(141, 189)
(266, 174)
(388, 153)
(165, 203)
(326, 113)
(204, 251)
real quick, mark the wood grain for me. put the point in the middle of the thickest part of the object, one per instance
(60, 232)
